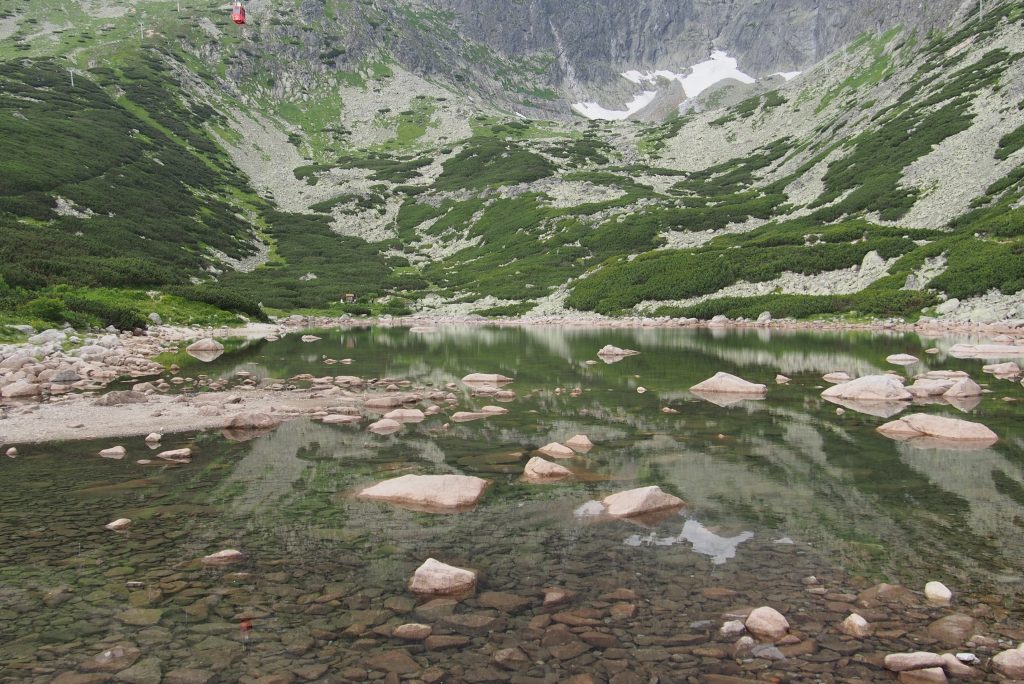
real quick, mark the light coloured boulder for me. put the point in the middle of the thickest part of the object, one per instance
(118, 525)
(726, 383)
(930, 387)
(836, 377)
(767, 624)
(20, 390)
(206, 344)
(176, 454)
(856, 626)
(640, 501)
(16, 361)
(309, 338)
(902, 359)
(945, 375)
(384, 402)
(405, 415)
(964, 387)
(468, 416)
(430, 492)
(437, 578)
(919, 660)
(982, 351)
(556, 450)
(385, 426)
(610, 350)
(122, 397)
(938, 594)
(341, 419)
(539, 469)
(225, 557)
(1009, 663)
(116, 452)
(581, 444)
(252, 420)
(929, 675)
(939, 429)
(1008, 369)
(494, 410)
(486, 379)
(153, 438)
(880, 388)
(781, 379)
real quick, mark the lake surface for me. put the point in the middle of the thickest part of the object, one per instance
(777, 490)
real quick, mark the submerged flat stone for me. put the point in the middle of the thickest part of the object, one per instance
(225, 557)
(430, 492)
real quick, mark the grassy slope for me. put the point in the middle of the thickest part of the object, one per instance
(174, 194)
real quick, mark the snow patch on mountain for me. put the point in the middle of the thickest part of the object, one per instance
(701, 76)
(593, 110)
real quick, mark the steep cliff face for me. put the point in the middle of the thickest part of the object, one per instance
(597, 39)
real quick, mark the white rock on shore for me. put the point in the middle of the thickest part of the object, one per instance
(118, 525)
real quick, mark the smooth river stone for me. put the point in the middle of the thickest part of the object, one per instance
(556, 450)
(539, 469)
(884, 388)
(437, 578)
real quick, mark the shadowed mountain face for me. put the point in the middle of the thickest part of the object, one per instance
(594, 40)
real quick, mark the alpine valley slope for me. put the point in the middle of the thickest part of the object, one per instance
(384, 149)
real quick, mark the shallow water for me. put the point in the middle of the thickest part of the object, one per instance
(777, 490)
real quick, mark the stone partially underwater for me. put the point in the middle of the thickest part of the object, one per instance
(429, 493)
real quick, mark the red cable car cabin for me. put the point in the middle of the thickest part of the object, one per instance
(238, 13)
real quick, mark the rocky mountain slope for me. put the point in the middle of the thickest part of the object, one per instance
(384, 149)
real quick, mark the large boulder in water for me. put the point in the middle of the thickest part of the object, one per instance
(207, 344)
(539, 469)
(640, 501)
(964, 387)
(938, 431)
(881, 388)
(726, 383)
(435, 493)
(611, 351)
(437, 578)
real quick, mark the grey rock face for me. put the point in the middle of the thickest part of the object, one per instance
(596, 39)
